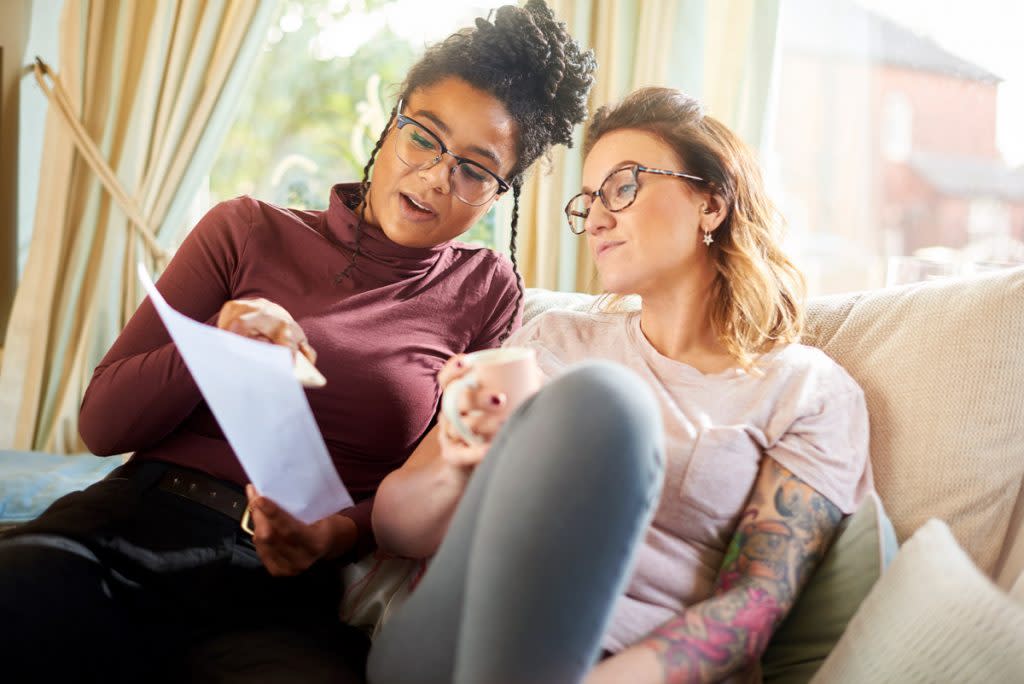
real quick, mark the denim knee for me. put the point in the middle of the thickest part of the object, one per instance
(610, 405)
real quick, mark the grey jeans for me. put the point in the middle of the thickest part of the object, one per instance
(541, 544)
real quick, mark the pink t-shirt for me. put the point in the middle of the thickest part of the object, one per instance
(804, 411)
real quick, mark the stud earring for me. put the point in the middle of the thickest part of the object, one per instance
(707, 238)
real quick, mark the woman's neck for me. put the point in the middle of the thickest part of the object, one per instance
(677, 323)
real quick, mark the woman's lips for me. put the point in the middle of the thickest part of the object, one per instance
(415, 210)
(606, 246)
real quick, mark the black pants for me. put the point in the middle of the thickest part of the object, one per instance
(127, 582)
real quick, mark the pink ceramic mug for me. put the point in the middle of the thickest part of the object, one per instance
(511, 371)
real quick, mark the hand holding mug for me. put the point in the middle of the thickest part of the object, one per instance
(481, 390)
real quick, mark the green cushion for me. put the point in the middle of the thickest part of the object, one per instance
(864, 547)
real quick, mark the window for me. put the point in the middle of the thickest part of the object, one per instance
(898, 121)
(899, 133)
(988, 218)
(320, 96)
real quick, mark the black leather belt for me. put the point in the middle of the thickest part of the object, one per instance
(187, 483)
(204, 490)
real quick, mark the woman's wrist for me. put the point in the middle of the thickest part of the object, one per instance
(451, 479)
(338, 536)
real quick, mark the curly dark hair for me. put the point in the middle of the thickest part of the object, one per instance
(528, 61)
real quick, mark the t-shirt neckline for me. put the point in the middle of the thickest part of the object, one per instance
(670, 369)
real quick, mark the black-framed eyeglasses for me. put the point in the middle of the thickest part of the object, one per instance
(617, 192)
(419, 147)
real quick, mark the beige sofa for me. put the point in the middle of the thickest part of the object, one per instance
(942, 367)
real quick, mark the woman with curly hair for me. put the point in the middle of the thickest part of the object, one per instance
(651, 514)
(152, 557)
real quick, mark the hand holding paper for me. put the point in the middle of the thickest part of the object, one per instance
(260, 319)
(252, 391)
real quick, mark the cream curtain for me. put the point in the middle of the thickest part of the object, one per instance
(739, 58)
(719, 50)
(143, 94)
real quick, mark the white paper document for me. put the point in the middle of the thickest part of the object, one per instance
(251, 389)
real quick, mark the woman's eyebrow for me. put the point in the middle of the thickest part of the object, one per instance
(617, 167)
(443, 127)
(437, 121)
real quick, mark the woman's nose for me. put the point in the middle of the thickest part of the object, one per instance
(598, 218)
(437, 174)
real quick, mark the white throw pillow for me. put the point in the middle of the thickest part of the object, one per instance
(932, 617)
(1017, 591)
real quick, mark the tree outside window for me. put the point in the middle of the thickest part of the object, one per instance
(320, 96)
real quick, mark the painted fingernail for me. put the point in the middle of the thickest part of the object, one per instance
(497, 399)
(459, 363)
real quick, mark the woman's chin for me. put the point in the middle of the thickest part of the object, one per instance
(615, 285)
(405, 233)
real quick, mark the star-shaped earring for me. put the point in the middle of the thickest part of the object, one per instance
(708, 239)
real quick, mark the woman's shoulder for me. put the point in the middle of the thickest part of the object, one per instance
(479, 274)
(582, 318)
(809, 367)
(244, 212)
(236, 212)
(568, 327)
(483, 258)
(224, 228)
(269, 214)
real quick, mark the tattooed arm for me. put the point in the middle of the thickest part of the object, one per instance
(782, 536)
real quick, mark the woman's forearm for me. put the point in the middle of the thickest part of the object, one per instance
(634, 665)
(415, 503)
(708, 642)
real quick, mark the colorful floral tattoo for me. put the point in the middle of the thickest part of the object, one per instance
(782, 536)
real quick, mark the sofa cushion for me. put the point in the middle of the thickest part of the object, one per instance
(537, 301)
(942, 367)
(932, 617)
(865, 546)
(1011, 564)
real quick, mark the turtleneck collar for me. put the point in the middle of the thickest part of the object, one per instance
(380, 257)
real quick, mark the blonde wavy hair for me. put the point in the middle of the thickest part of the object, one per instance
(757, 293)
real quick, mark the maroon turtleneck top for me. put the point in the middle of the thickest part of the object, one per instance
(381, 334)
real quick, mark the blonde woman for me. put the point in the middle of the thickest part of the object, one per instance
(652, 519)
